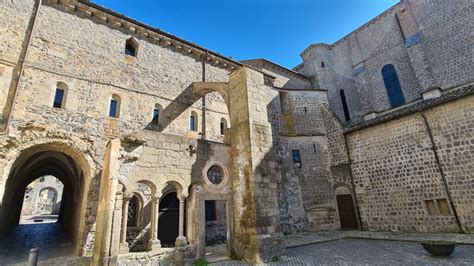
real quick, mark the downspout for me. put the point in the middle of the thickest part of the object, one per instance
(21, 61)
(356, 201)
(204, 97)
(443, 176)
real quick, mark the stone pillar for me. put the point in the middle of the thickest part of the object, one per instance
(104, 254)
(123, 248)
(257, 229)
(154, 242)
(181, 240)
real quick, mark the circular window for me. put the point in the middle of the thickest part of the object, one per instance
(215, 175)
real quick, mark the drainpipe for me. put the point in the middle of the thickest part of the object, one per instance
(23, 56)
(443, 176)
(204, 97)
(351, 174)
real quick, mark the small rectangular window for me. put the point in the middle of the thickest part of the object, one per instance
(113, 108)
(296, 158)
(156, 116)
(58, 98)
(210, 210)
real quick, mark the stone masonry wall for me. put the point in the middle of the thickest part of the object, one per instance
(354, 63)
(395, 170)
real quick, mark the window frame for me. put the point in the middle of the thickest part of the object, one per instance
(115, 98)
(392, 85)
(296, 162)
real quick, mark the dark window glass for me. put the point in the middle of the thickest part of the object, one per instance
(210, 210)
(222, 127)
(344, 105)
(192, 122)
(132, 212)
(113, 108)
(58, 98)
(322, 64)
(392, 85)
(214, 174)
(130, 48)
(296, 158)
(156, 116)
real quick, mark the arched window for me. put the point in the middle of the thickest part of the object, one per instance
(392, 85)
(131, 47)
(114, 108)
(193, 122)
(344, 105)
(133, 209)
(60, 95)
(157, 111)
(223, 126)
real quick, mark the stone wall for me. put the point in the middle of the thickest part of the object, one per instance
(396, 171)
(417, 37)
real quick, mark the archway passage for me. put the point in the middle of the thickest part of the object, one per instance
(53, 239)
(168, 222)
(42, 201)
(347, 213)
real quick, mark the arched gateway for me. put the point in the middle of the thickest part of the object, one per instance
(71, 169)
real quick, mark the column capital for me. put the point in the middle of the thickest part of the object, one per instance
(156, 196)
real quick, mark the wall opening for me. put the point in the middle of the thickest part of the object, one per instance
(216, 230)
(392, 85)
(345, 108)
(42, 201)
(58, 183)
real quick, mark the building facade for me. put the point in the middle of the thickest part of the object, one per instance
(162, 145)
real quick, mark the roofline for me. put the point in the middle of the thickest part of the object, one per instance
(330, 46)
(449, 95)
(263, 60)
(72, 7)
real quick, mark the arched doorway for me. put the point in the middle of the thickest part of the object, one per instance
(53, 239)
(345, 207)
(168, 222)
(42, 201)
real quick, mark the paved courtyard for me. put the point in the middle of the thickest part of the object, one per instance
(368, 252)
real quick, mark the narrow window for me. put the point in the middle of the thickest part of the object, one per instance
(58, 98)
(296, 158)
(344, 105)
(131, 47)
(60, 95)
(210, 210)
(322, 64)
(223, 125)
(156, 115)
(132, 217)
(193, 121)
(392, 85)
(114, 108)
(314, 147)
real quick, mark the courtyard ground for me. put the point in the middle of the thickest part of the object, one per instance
(306, 248)
(367, 252)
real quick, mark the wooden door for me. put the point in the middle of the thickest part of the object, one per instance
(347, 213)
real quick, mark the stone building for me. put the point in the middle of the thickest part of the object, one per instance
(150, 133)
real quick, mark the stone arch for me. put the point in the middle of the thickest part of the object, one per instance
(69, 160)
(342, 190)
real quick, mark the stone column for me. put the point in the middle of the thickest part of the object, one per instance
(154, 242)
(181, 240)
(123, 248)
(103, 251)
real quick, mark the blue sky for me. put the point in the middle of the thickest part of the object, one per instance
(278, 30)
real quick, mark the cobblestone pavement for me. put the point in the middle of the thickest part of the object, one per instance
(305, 238)
(50, 238)
(368, 252)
